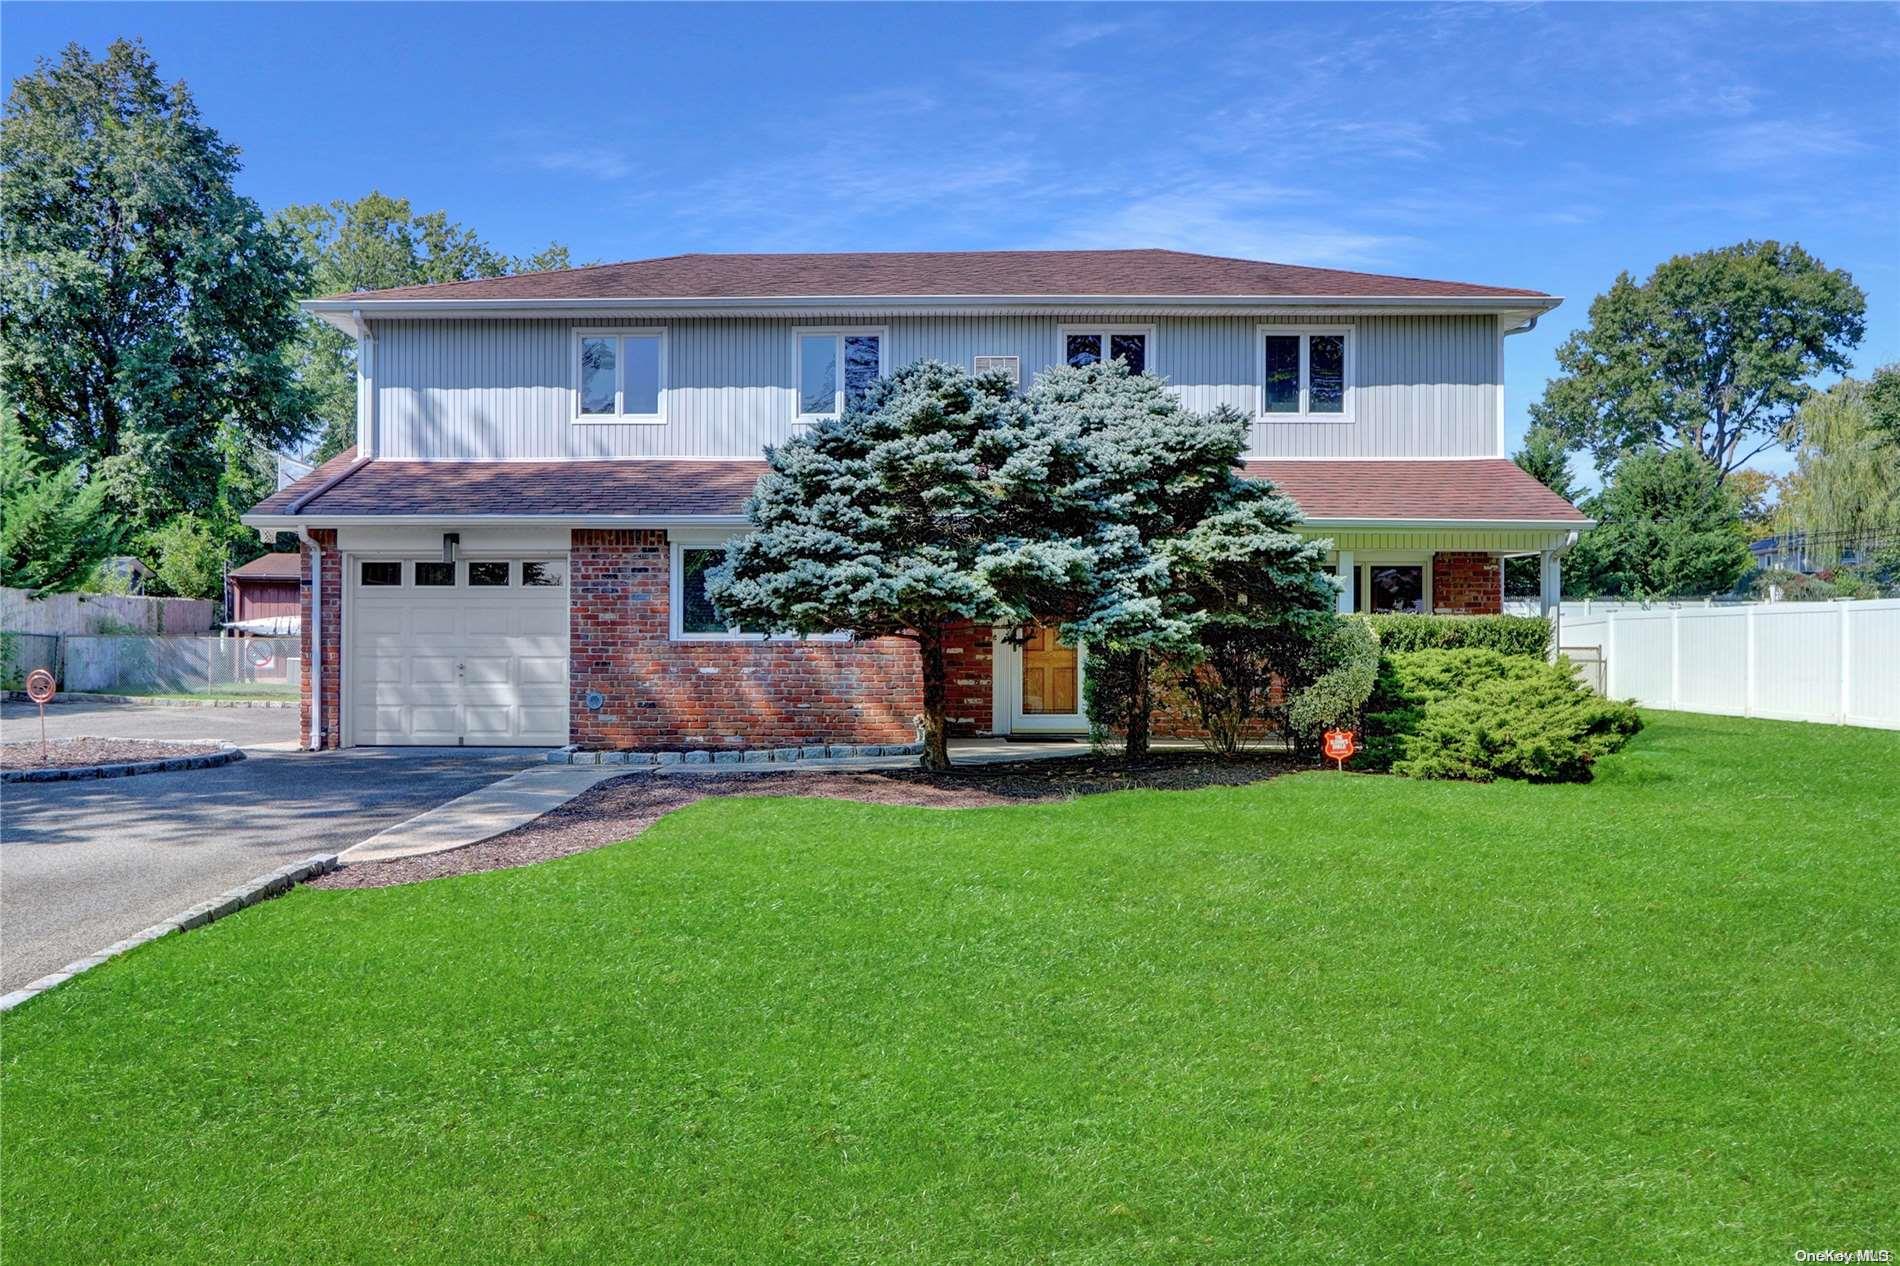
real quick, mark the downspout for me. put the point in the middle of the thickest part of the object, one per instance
(316, 639)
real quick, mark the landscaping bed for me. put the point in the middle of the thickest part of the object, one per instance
(622, 808)
(72, 753)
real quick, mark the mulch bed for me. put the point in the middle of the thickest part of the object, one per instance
(621, 808)
(71, 752)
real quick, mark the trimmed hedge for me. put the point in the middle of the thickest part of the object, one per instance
(1506, 634)
(1481, 715)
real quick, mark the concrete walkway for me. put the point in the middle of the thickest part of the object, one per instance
(487, 811)
(516, 800)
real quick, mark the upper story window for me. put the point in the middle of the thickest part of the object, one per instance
(620, 375)
(833, 366)
(1086, 345)
(1306, 373)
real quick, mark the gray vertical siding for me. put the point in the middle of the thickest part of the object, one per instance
(491, 390)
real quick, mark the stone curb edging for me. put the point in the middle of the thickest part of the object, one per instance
(80, 696)
(749, 756)
(226, 753)
(277, 882)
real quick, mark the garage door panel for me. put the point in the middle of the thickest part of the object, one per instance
(541, 670)
(489, 721)
(487, 670)
(432, 670)
(374, 619)
(434, 620)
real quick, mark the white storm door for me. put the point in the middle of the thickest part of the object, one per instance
(1040, 685)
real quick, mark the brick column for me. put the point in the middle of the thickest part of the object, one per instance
(970, 652)
(326, 660)
(1467, 584)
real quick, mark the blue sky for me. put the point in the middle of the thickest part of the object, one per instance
(1545, 146)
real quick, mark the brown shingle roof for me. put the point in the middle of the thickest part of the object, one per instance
(1487, 490)
(1482, 490)
(681, 487)
(278, 566)
(943, 273)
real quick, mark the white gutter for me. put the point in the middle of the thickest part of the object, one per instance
(289, 522)
(351, 315)
(1552, 525)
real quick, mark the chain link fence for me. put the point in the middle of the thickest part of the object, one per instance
(212, 667)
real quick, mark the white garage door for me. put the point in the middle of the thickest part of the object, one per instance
(465, 653)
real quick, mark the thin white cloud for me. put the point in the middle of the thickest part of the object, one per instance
(1775, 142)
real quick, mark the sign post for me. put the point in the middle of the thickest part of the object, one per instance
(1340, 745)
(41, 688)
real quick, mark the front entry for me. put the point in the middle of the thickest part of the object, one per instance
(1040, 684)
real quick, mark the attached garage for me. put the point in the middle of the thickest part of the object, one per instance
(465, 653)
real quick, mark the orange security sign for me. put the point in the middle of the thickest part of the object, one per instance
(1340, 745)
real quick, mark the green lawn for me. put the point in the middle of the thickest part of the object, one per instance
(1655, 1018)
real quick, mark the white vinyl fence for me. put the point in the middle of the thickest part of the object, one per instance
(1837, 662)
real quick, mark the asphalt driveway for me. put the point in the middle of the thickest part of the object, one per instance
(247, 727)
(83, 864)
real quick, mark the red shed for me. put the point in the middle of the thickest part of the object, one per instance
(264, 588)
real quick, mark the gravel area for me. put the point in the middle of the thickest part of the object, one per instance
(621, 808)
(66, 753)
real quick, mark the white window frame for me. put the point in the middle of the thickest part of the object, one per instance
(676, 606)
(1305, 334)
(1146, 331)
(1365, 564)
(619, 333)
(1015, 364)
(838, 334)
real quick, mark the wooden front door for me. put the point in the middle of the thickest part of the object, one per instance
(1051, 676)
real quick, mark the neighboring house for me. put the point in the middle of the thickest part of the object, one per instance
(265, 595)
(290, 469)
(546, 464)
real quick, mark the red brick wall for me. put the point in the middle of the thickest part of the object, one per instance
(969, 657)
(329, 662)
(1467, 584)
(665, 694)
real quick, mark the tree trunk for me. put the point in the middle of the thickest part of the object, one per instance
(1140, 709)
(936, 737)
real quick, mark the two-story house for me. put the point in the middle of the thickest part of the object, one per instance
(514, 551)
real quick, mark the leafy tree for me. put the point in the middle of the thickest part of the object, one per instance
(1134, 532)
(1846, 484)
(1883, 401)
(874, 523)
(1665, 527)
(1712, 353)
(1545, 457)
(144, 305)
(187, 559)
(55, 527)
(1755, 493)
(375, 243)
